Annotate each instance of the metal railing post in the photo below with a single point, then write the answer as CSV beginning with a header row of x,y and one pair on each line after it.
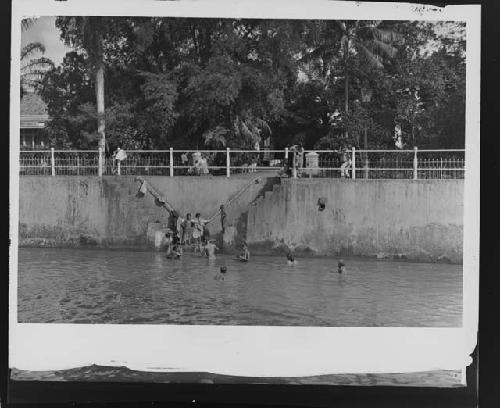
x,y
171,162
353,163
286,153
99,162
415,163
52,162
228,163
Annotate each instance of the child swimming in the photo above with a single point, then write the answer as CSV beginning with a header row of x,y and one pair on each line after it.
x,y
341,266
220,276
176,252
168,242
291,259
245,253
210,249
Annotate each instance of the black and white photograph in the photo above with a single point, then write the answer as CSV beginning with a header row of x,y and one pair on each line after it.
x,y
283,178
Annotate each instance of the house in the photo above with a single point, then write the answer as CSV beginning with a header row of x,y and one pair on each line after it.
x,y
34,116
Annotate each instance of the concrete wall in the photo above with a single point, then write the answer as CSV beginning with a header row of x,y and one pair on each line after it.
x,y
420,219
74,211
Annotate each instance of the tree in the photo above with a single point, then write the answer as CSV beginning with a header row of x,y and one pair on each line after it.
x,y
187,83
89,34
340,47
370,41
33,67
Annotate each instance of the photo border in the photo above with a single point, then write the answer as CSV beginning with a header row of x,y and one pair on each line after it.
x,y
22,336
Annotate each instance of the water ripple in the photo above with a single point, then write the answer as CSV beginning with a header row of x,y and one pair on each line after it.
x,y
97,286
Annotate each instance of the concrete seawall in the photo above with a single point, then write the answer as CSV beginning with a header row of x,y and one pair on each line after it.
x,y
419,220
81,211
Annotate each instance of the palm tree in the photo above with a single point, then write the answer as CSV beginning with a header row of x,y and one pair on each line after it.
x,y
373,45
369,40
27,23
33,69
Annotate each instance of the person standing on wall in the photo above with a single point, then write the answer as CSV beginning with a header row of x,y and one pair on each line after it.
x,y
346,163
119,156
223,217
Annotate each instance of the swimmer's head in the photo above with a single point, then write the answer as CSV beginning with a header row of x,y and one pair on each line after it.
x,y
223,269
341,263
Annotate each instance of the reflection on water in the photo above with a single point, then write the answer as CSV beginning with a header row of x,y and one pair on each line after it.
x,y
98,286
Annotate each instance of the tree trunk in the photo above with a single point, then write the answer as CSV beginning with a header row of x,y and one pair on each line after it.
x,y
99,90
346,80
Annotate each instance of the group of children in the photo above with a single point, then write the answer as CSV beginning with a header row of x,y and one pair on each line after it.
x,y
187,231
193,232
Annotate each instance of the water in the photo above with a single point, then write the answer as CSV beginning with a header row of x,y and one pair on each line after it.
x,y
100,286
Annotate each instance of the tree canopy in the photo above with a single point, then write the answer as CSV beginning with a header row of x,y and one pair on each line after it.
x,y
213,83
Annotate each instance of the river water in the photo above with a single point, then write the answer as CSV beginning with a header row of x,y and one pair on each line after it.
x,y
101,286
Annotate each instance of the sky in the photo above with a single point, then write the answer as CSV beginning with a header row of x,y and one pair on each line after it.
x,y
45,31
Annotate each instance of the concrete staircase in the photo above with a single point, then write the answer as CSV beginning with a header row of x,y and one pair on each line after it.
x,y
145,211
267,194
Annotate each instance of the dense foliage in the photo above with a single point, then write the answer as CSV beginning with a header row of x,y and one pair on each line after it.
x,y
211,83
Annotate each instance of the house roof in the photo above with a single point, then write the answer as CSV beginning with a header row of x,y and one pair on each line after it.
x,y
34,111
32,104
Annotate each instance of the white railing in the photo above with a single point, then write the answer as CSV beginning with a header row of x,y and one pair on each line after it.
x,y
369,164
